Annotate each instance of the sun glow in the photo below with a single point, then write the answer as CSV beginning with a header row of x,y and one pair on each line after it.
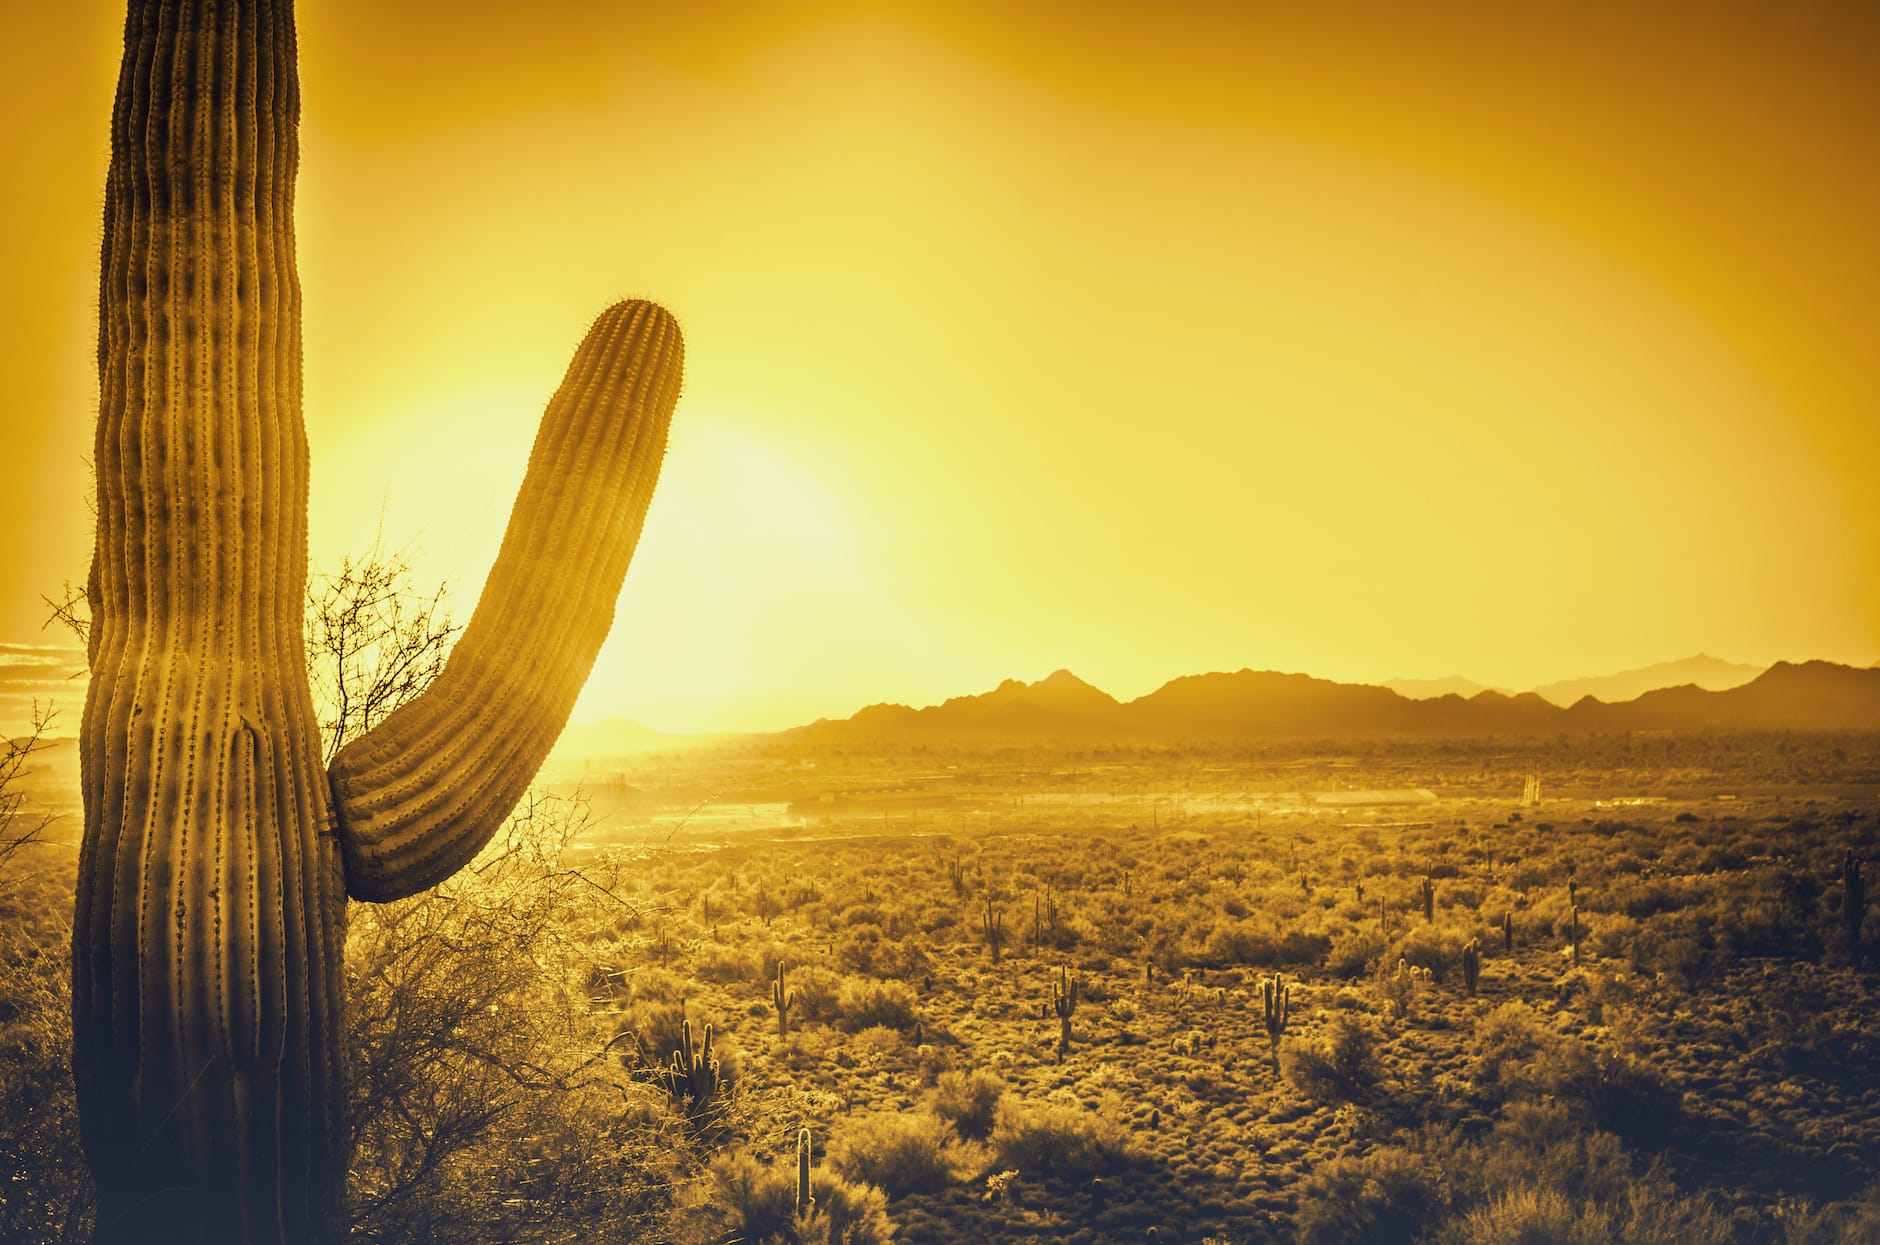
x,y
1523,342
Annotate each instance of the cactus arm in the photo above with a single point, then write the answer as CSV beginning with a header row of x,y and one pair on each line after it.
x,y
421,793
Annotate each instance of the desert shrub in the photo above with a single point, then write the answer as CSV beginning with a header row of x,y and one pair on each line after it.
x,y
1505,1042
1520,1058
1434,948
1529,1217
1231,942
864,1003
878,1043
1542,1143
1640,898
1387,1197
481,1104
1339,1064
1352,953
870,951
1059,1140
1678,946
648,1032
743,1201
727,965
859,949
45,1196
817,991
862,914
903,1153
1837,1222
970,1100
1543,1177
1614,937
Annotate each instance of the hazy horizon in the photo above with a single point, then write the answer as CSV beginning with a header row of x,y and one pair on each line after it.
x,y
52,675
1524,345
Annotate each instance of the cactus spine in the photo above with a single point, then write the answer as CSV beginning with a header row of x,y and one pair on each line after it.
x,y
1472,966
1064,996
783,1000
218,855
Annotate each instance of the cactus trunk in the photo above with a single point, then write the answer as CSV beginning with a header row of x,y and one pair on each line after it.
x,y
214,872
211,906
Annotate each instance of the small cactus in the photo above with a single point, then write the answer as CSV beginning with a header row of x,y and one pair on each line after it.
x,y
783,999
992,924
1044,919
805,1201
1429,899
1064,996
1472,966
693,1082
1507,933
1276,1006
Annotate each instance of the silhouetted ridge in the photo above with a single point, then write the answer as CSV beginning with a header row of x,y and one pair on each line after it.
x,y
1815,695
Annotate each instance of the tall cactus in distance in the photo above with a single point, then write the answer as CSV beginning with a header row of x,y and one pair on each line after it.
x,y
992,925
1064,998
783,999
218,855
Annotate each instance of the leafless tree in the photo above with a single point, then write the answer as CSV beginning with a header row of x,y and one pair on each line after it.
x,y
373,641
18,827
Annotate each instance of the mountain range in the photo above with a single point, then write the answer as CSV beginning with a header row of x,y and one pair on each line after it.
x,y
1710,673
1814,695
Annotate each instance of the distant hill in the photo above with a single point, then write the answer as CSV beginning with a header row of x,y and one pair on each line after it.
x,y
1710,673
1058,706
1430,689
1266,704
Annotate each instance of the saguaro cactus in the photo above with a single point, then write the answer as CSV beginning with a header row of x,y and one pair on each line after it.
x,y
1275,1007
992,925
805,1199
217,854
693,1080
1064,997
783,999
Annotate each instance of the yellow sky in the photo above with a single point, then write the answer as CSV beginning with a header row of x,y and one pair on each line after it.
x,y
1519,341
